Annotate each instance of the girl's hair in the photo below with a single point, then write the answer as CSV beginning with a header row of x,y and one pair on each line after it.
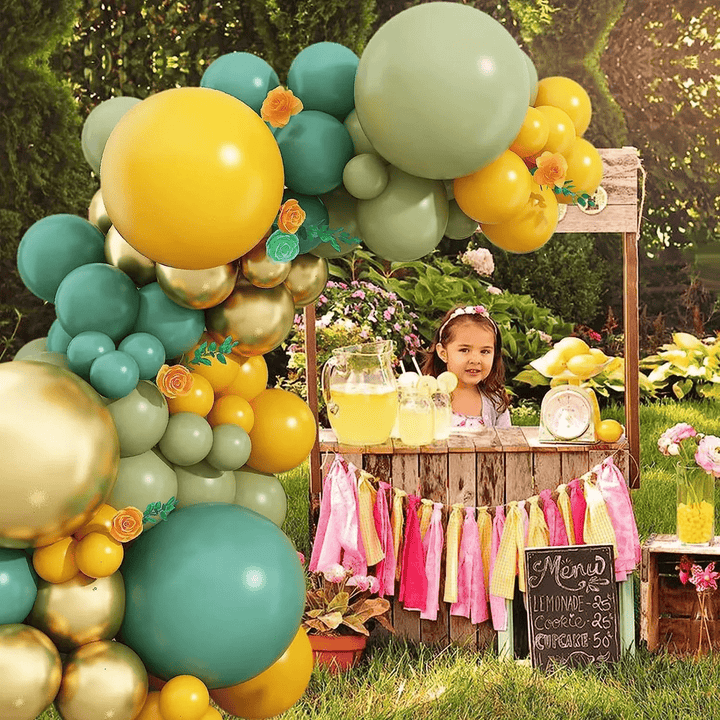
x,y
494,384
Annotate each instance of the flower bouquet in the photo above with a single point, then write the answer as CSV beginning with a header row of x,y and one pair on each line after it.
x,y
705,582
698,464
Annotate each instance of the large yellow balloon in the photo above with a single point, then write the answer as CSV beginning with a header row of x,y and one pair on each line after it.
x,y
59,453
531,228
496,192
569,96
192,178
276,689
533,134
283,433
585,169
561,129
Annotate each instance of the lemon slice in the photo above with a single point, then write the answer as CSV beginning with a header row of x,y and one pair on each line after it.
x,y
447,381
427,382
408,379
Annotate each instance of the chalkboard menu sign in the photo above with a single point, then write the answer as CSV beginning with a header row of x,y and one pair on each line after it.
x,y
572,605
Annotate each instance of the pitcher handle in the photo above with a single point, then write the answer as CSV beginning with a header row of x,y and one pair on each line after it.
x,y
325,378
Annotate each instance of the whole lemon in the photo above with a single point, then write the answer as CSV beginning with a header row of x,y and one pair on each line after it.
x,y
609,431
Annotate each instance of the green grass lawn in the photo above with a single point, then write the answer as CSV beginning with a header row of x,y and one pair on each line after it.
x,y
404,681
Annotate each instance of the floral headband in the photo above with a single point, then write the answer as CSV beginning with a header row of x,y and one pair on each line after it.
x,y
467,310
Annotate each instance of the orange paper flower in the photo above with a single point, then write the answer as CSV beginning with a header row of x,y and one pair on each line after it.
x,y
174,381
291,217
279,106
551,169
127,524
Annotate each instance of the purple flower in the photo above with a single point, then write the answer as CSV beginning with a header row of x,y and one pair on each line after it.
x,y
708,455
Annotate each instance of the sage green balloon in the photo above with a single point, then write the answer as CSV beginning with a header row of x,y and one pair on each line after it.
x,y
357,135
231,447
532,76
365,176
342,214
441,90
34,347
140,418
262,493
51,358
459,225
187,440
202,483
407,221
141,480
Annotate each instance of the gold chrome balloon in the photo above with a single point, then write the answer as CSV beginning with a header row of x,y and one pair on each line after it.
x,y
31,671
97,214
262,271
122,255
79,611
59,453
307,279
197,289
102,680
259,320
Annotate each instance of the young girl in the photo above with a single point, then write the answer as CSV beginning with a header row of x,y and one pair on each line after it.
x,y
468,343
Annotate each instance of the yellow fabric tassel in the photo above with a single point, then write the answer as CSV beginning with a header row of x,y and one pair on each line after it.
x,y
538,533
397,520
366,503
452,556
563,503
425,514
598,528
484,522
510,560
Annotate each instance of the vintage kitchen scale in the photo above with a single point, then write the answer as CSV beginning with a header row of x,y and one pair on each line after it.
x,y
569,414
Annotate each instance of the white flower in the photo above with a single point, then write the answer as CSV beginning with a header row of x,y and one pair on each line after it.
x,y
481,260
494,290
335,573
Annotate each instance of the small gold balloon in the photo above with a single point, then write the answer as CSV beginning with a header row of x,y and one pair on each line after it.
x,y
259,320
79,611
197,289
31,672
307,279
59,453
262,271
122,255
97,214
102,680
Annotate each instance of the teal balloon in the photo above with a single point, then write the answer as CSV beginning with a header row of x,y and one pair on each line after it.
x,y
140,418
18,586
357,135
202,483
315,211
58,340
114,374
97,297
365,176
407,221
441,90
85,348
315,148
262,493
342,214
459,225
142,480
177,328
187,440
34,347
99,124
52,248
215,591
243,75
230,449
532,77
323,77
147,351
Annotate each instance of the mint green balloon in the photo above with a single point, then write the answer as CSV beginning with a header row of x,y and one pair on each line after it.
x,y
262,493
140,418
187,440
342,213
441,90
365,176
202,483
407,221
459,225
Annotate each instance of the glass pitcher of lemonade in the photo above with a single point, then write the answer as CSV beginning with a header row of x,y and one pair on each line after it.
x,y
358,385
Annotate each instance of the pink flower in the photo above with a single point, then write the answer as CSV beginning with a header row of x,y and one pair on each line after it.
x,y
374,584
335,573
708,455
597,337
669,441
706,579
301,558
481,260
684,568
361,582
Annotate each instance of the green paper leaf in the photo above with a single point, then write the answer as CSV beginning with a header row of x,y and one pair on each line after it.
x,y
205,361
213,347
221,359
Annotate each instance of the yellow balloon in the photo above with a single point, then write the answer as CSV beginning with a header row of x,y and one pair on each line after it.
x,y
531,228
56,562
276,689
102,680
31,672
151,708
585,169
126,258
59,453
79,611
561,131
261,270
569,96
219,375
101,521
251,379
307,279
496,192
99,555
533,134
192,177
184,697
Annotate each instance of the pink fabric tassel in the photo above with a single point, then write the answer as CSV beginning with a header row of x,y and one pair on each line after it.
x,y
471,574
497,604
433,547
612,485
553,518
413,583
525,518
578,505
385,569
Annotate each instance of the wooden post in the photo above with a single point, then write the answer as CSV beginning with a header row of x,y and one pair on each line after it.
x,y
631,323
312,399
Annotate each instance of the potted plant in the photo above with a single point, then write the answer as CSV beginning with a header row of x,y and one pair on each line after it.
x,y
338,605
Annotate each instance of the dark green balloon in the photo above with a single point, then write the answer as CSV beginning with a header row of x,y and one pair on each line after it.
x,y
140,419
315,211
84,348
58,340
18,586
262,493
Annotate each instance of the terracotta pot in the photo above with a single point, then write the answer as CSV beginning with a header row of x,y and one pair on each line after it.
x,y
337,653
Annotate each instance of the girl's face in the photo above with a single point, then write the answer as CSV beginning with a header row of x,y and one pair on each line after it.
x,y
470,353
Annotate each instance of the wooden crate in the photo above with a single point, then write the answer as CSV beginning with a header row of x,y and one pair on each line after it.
x,y
490,467
666,605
